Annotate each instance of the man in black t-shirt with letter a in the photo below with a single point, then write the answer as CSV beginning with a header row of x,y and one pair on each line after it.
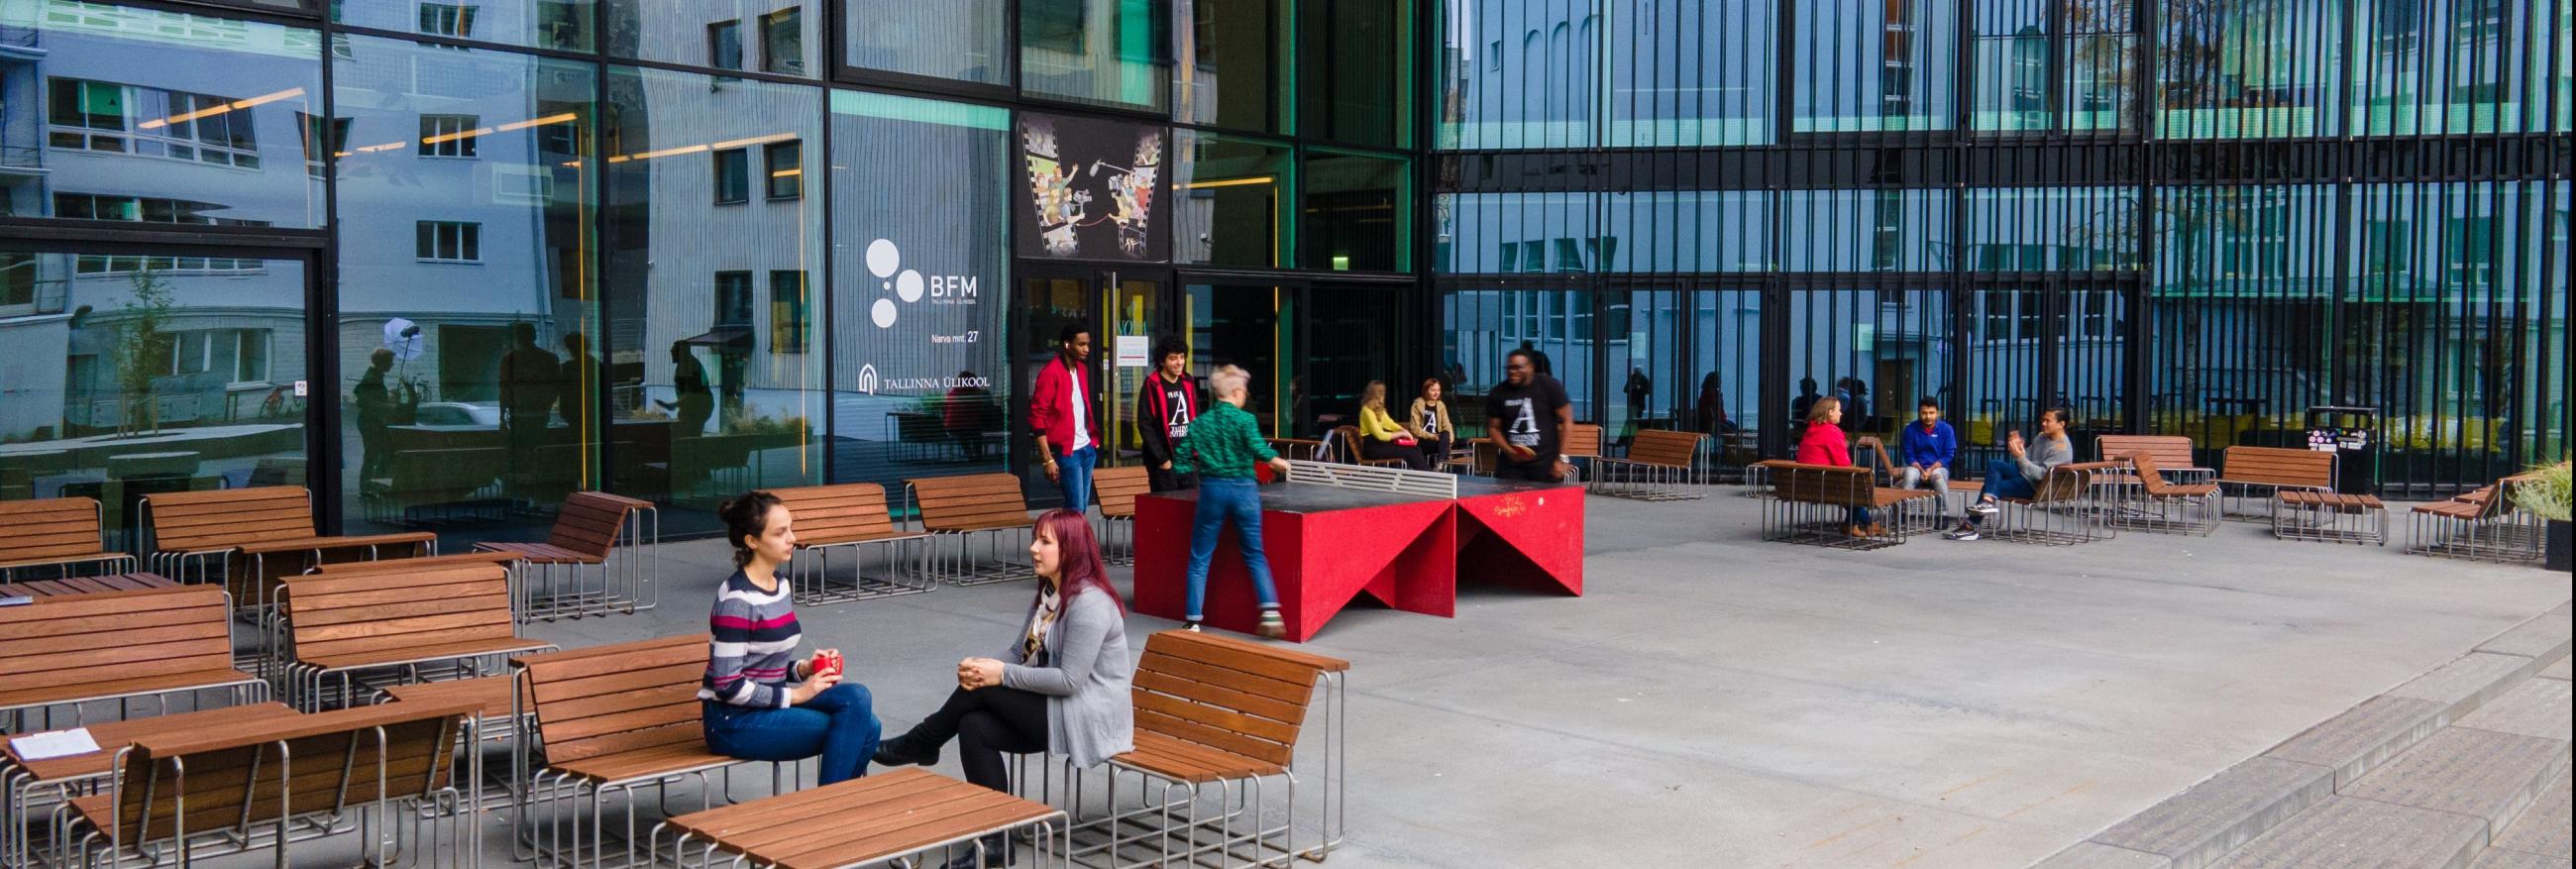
x,y
1528,419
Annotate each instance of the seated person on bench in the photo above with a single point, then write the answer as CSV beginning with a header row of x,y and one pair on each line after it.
x,y
1061,687
2020,477
1823,443
750,710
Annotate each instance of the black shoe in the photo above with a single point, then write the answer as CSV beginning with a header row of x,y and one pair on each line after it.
x,y
994,854
899,752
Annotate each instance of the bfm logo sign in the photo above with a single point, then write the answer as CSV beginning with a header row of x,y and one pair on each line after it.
x,y
886,262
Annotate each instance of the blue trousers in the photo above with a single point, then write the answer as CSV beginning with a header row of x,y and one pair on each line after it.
x,y
2003,483
839,724
1073,477
1220,499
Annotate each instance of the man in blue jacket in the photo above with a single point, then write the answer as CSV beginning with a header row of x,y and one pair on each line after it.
x,y
1928,448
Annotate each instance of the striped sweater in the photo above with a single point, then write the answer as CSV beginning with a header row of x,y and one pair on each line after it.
x,y
754,653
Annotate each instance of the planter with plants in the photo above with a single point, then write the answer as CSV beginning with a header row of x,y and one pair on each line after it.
x,y
2543,492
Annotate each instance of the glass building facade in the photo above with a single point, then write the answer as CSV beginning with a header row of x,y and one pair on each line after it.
x,y
2194,217
446,261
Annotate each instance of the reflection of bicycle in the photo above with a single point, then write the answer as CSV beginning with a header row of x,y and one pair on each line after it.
x,y
281,403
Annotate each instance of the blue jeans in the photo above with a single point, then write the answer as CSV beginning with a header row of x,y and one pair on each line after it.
x,y
2005,483
1073,477
1220,499
840,724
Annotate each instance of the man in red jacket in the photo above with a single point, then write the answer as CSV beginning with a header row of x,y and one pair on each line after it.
x,y
1067,424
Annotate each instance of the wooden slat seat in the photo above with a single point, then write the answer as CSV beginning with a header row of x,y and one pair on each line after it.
x,y
1117,488
112,735
414,565
588,530
111,644
2172,453
86,585
609,714
858,822
1204,708
2063,509
252,533
214,780
2258,472
338,624
55,532
2481,525
1811,503
2151,502
488,696
984,506
851,516
1657,460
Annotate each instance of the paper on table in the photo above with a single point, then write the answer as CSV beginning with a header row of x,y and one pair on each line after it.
x,y
54,743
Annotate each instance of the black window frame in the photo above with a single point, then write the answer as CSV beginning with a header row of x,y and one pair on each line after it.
x,y
738,180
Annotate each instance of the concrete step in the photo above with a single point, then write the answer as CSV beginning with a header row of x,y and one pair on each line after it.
x,y
2466,771
2209,823
2346,832
2540,838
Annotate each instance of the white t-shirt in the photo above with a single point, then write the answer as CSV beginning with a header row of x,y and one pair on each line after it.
x,y
1081,415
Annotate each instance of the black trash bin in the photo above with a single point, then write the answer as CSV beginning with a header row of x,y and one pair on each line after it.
x,y
2351,433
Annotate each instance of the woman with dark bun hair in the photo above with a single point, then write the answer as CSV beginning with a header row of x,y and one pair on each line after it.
x,y
750,709
1060,687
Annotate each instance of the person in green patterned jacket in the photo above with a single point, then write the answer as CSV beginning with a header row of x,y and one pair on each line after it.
x,y
1222,447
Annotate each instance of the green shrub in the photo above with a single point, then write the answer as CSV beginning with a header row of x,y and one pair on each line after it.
x,y
2544,492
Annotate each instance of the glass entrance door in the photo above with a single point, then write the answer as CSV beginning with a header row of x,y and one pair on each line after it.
x,y
1125,313
1249,325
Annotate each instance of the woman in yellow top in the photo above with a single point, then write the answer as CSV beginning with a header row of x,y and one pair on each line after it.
x,y
1429,422
1380,437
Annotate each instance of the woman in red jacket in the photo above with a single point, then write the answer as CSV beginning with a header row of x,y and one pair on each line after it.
x,y
1824,444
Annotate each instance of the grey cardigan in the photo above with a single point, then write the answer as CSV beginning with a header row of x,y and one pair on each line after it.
x,y
2042,455
1090,716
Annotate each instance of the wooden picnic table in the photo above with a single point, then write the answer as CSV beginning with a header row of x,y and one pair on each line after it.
x,y
44,588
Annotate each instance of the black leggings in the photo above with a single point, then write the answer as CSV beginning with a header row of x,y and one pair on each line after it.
x,y
1378,449
987,723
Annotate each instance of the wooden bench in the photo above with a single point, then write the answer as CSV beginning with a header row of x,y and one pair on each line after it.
x,y
1812,504
2258,472
255,536
457,618
118,645
1346,449
496,716
2334,517
2063,510
2148,501
868,821
34,785
43,588
1659,461
2482,525
1583,445
2172,453
1117,490
274,783
1221,713
852,516
57,533
588,532
612,718
970,508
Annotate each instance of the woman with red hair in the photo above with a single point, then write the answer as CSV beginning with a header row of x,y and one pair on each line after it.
x,y
1061,686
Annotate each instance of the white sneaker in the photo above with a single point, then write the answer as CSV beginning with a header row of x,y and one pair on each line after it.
x,y
1192,627
1962,534
1986,507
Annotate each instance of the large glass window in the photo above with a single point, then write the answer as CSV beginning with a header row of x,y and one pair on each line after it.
x,y
2429,67
468,343
1230,201
1726,372
919,376
1684,74
1875,349
965,40
2052,229
1501,233
560,24
1103,52
713,395
1352,54
1233,63
2252,69
1685,231
1865,230
1479,326
154,105
1875,66
1358,212
767,35
140,380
